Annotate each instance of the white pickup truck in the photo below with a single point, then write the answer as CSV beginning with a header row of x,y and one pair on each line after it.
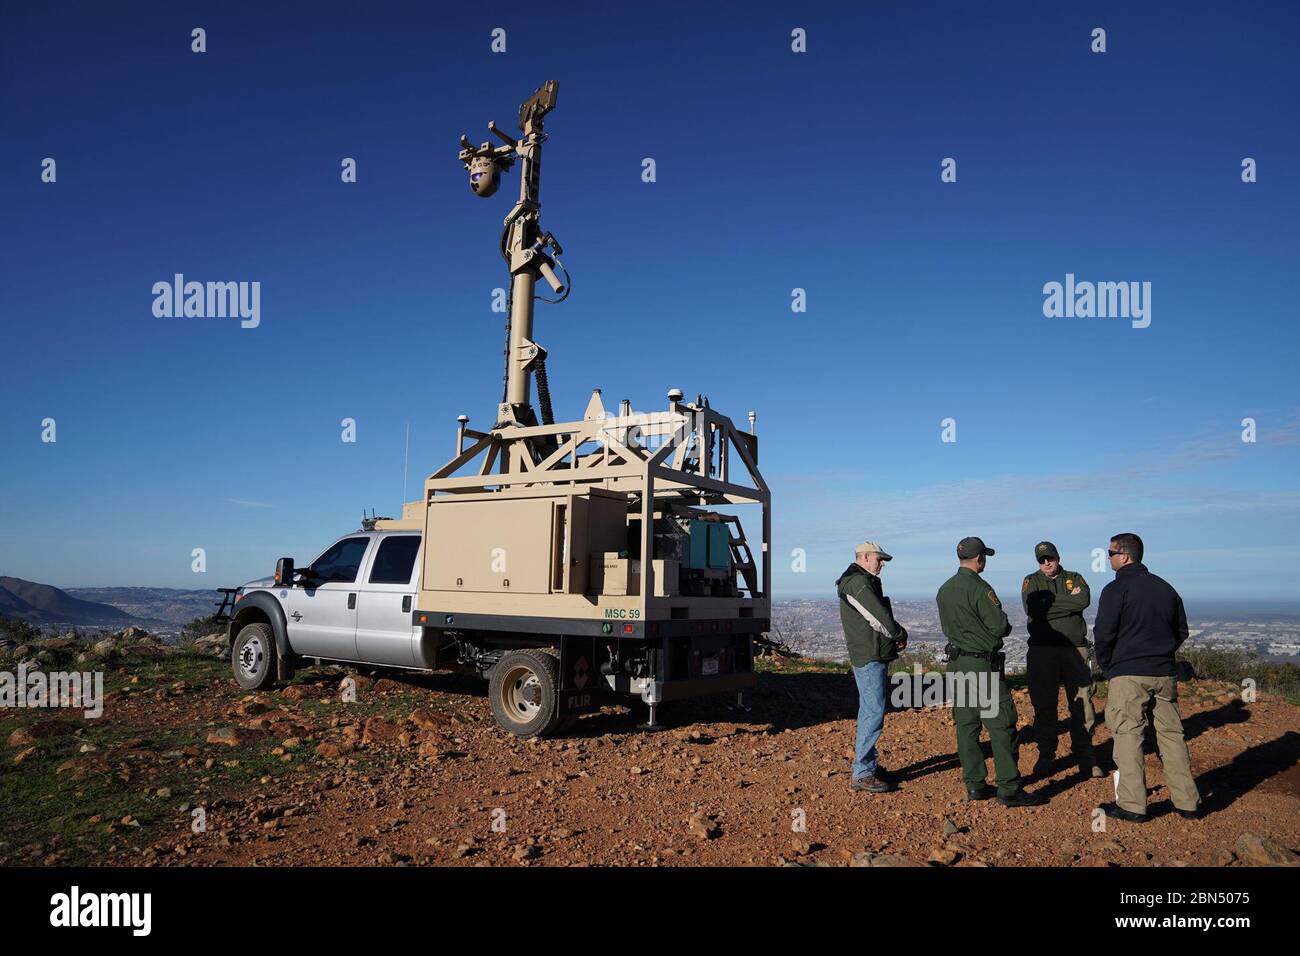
x,y
354,605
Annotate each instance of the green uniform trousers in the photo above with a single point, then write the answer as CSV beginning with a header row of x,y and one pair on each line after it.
x,y
993,707
1049,667
1126,715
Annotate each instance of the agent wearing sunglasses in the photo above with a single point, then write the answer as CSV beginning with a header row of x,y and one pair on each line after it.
x,y
1140,624
1054,601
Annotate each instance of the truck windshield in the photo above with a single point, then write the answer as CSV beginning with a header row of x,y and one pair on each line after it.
x,y
341,562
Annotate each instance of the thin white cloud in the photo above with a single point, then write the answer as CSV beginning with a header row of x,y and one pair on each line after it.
x,y
1132,491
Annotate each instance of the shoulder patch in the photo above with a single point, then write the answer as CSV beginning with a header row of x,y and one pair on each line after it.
x,y
1069,584
994,598
1025,586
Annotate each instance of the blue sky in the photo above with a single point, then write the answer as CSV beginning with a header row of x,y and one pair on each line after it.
x,y
775,170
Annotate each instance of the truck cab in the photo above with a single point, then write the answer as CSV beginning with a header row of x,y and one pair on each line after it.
x,y
352,604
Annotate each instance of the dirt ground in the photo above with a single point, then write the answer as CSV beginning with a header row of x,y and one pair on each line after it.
x,y
416,772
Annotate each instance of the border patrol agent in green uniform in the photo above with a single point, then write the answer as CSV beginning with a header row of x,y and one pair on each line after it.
x,y
975,624
1054,601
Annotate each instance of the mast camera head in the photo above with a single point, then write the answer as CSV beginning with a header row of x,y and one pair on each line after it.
x,y
484,176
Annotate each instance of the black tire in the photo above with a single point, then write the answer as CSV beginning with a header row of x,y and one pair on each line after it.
x,y
252,658
524,692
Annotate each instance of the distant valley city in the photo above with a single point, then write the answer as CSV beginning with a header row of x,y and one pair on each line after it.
x,y
809,626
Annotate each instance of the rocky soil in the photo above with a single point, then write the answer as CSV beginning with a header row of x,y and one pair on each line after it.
x,y
184,768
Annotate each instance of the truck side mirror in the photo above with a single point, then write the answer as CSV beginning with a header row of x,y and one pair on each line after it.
x,y
284,573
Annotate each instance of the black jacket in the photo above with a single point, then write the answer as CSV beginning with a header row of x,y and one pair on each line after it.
x,y
1140,623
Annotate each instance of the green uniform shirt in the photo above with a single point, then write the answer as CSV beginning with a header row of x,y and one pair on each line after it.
x,y
1055,613
971,614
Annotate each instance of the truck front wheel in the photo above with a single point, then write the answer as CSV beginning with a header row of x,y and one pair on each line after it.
x,y
252,657
524,691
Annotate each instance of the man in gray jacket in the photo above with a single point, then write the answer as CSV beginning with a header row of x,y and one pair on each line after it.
x,y
874,639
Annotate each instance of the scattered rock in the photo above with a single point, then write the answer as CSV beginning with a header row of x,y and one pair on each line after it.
x,y
380,731
233,736
702,826
1256,850
944,856
26,736
360,681
331,748
427,719
891,859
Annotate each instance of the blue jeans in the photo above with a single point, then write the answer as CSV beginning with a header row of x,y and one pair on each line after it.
x,y
872,678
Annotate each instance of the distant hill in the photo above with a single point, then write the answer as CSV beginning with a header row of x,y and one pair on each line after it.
x,y
175,606
161,611
42,604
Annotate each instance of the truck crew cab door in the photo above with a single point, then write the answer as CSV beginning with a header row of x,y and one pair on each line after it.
x,y
321,612
385,634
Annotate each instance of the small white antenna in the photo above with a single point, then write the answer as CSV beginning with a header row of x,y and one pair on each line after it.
x,y
406,466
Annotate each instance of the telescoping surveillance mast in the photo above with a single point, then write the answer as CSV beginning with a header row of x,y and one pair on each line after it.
x,y
574,561
529,252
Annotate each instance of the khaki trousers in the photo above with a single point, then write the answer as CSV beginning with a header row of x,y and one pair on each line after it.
x,y
1048,667
1126,715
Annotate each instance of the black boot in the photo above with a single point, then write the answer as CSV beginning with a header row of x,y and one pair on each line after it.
x,y
1022,798
1119,813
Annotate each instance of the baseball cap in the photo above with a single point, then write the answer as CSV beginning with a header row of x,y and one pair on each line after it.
x,y
972,548
1045,549
870,547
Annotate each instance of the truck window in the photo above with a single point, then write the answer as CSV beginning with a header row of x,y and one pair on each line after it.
x,y
342,561
395,559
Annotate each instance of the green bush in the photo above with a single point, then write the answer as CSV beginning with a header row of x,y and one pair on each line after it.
x,y
200,627
16,629
1234,666
904,661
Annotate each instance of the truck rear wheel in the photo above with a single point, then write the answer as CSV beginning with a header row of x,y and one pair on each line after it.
x,y
524,691
252,657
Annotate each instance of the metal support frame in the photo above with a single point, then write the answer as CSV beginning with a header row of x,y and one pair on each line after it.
x,y
684,457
